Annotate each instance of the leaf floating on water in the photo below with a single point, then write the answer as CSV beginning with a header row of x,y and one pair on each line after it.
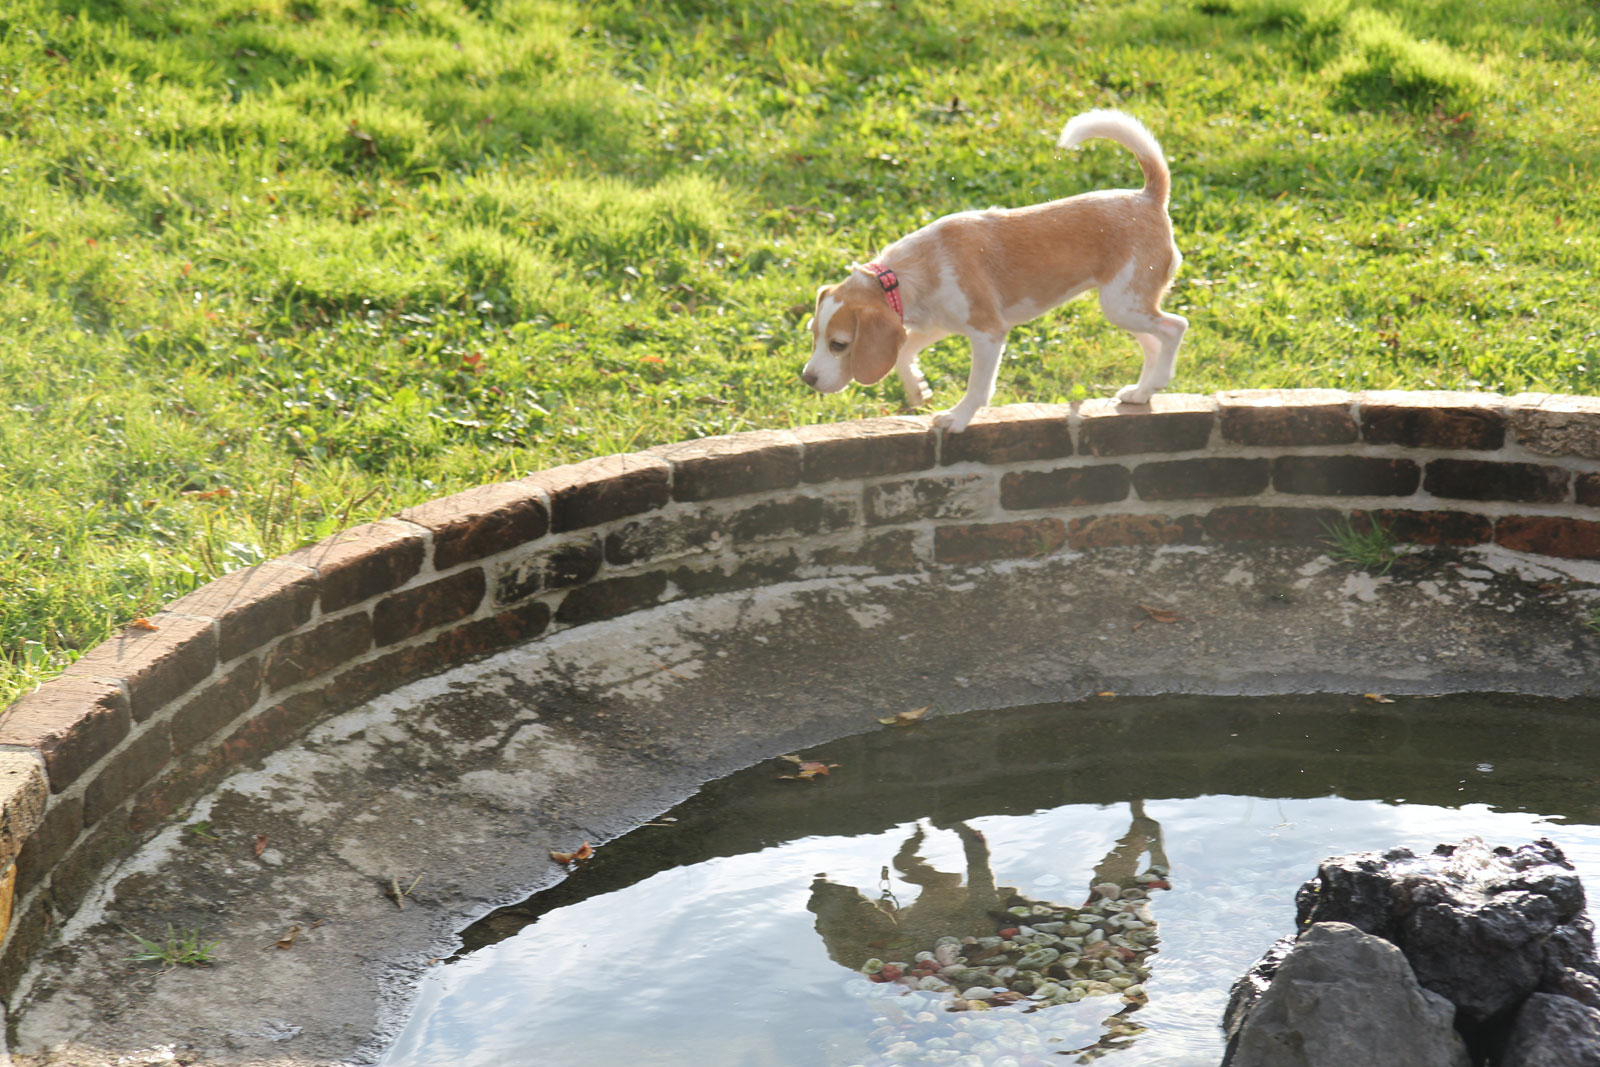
x,y
906,718
1378,698
1105,693
567,859
809,770
287,940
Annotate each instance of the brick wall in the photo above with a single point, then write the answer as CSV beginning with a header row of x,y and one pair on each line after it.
x,y
141,726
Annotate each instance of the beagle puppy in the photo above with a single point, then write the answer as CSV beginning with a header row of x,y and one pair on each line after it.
x,y
979,273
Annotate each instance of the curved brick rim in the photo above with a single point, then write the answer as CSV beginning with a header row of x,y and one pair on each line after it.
x,y
146,723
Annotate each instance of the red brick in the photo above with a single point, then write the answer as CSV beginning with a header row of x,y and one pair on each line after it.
x,y
611,597
735,465
1069,487
1196,479
383,674
1549,536
949,497
301,657
273,728
414,611
24,793
1173,422
189,779
1023,539
136,764
1345,476
1556,425
750,571
30,929
56,833
80,869
663,536
253,606
1121,531
72,722
362,562
1282,418
1452,528
199,772
1015,433
1476,479
795,516
156,666
894,551
216,706
867,448
481,522
603,490
1434,419
559,566
1269,524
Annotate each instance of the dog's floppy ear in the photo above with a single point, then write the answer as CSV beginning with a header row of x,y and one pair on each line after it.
x,y
879,335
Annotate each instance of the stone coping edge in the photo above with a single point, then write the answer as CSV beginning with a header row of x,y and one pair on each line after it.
x,y
137,729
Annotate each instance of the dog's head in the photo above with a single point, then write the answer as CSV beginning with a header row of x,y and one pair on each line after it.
x,y
855,336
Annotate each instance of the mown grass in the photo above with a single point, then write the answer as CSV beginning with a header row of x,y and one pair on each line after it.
x,y
269,267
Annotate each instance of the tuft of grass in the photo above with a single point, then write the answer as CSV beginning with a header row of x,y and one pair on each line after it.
x,y
1373,549
178,950
1385,66
1591,620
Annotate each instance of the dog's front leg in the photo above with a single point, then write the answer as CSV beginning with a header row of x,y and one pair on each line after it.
x,y
905,365
986,354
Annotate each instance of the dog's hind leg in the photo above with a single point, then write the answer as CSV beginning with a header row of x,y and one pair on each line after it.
x,y
1158,332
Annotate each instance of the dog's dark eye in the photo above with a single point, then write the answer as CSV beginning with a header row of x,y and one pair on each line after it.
x,y
837,345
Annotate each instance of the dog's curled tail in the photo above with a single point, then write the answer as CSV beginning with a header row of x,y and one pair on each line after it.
x,y
1128,132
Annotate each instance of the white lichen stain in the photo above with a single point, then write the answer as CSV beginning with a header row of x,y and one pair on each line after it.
x,y
1361,586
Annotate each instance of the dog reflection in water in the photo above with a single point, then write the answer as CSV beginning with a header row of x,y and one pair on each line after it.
x,y
972,946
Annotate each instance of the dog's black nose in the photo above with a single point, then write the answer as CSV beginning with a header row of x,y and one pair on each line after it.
x,y
809,376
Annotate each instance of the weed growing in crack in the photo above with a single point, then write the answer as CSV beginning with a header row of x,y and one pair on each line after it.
x,y
1373,549
179,950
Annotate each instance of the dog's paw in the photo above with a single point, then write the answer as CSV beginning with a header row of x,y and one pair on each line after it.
x,y
1132,394
953,421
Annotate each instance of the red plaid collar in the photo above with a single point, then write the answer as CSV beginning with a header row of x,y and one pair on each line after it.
x,y
890,283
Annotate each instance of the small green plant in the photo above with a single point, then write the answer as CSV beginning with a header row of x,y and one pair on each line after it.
x,y
1372,549
186,950
201,830
1591,620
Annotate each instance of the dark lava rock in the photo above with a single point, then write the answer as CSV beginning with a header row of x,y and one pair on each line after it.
x,y
1485,928
1553,1031
1473,921
1340,998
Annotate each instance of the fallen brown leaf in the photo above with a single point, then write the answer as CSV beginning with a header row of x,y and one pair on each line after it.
x,y
1378,698
578,855
260,846
1161,614
906,718
287,940
809,769
142,623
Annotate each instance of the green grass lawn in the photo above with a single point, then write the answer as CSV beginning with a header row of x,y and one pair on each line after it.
x,y
275,266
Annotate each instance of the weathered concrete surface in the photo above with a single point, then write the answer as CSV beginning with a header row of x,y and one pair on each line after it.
x,y
461,784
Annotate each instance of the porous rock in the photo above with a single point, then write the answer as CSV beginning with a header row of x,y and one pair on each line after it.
x,y
1553,1031
1339,997
1474,922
